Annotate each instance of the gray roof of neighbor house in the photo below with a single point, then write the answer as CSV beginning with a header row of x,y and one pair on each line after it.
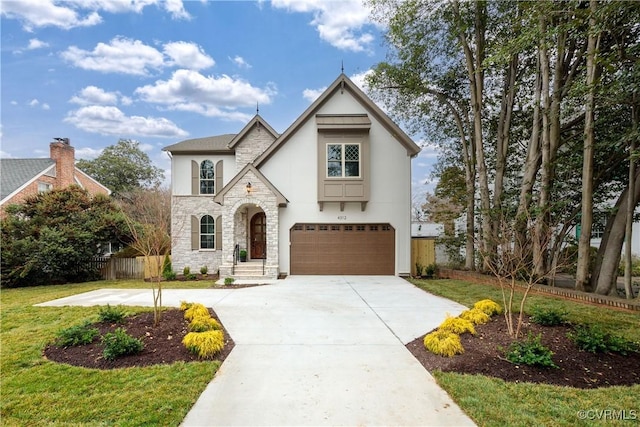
x,y
208,144
14,173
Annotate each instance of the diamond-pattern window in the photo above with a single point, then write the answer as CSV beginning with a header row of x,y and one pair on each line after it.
x,y
343,160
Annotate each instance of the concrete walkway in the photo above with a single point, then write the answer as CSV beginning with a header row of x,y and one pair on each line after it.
x,y
315,351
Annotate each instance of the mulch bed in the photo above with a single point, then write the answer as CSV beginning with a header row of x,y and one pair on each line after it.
x,y
162,343
576,368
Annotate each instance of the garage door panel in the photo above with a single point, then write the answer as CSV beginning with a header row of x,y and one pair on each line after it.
x,y
364,249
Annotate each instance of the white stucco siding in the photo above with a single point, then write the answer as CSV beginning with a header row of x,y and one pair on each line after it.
x,y
293,170
181,171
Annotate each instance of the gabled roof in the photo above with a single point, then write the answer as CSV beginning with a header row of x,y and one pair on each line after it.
x,y
257,120
17,173
218,143
219,198
342,83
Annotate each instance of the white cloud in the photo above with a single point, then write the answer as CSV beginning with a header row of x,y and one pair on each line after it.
x,y
109,120
33,103
37,44
121,55
95,95
46,107
240,62
188,55
360,80
212,96
127,56
80,13
340,23
313,94
87,153
14,102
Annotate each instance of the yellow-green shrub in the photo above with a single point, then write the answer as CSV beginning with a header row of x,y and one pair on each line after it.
x,y
196,310
457,325
204,344
202,324
443,343
488,306
475,316
185,305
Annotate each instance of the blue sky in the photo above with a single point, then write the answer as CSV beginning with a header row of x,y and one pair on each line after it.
x,y
160,72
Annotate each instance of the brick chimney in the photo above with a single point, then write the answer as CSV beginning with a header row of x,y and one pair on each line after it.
x,y
65,157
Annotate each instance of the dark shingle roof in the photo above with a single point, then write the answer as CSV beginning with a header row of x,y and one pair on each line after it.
x,y
14,173
209,143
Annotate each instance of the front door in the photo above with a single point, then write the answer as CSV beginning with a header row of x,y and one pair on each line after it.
x,y
258,235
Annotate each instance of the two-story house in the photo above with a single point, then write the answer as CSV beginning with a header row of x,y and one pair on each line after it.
x,y
21,178
330,195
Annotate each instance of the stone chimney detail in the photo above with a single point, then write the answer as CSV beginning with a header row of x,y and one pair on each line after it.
x,y
64,155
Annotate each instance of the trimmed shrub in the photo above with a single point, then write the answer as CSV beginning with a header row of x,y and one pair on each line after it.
x,y
112,314
204,344
531,352
229,280
202,324
204,270
196,310
443,343
488,306
457,325
548,316
119,343
475,316
185,305
76,335
595,340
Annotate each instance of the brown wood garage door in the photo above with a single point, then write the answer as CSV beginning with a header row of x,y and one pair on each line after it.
x,y
367,249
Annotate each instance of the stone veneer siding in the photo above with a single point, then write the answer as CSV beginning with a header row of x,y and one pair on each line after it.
x,y
252,145
182,208
237,199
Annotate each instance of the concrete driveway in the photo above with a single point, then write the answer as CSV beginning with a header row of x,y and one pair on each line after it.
x,y
316,350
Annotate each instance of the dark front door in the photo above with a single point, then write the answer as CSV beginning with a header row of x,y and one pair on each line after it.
x,y
258,235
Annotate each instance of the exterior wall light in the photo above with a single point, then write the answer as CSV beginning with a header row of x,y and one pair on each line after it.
x,y
248,188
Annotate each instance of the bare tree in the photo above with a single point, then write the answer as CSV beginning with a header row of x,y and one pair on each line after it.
x,y
518,269
148,216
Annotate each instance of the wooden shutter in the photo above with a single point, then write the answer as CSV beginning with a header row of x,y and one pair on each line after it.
x,y
195,233
219,174
195,178
218,233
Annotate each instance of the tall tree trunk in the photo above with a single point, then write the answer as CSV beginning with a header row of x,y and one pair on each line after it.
x,y
586,220
475,74
630,206
531,167
546,171
605,272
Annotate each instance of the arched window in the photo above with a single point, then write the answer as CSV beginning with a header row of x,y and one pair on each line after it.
x,y
207,232
207,177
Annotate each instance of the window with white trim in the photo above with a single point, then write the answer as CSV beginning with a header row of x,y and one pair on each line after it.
x,y
207,177
343,160
43,187
207,232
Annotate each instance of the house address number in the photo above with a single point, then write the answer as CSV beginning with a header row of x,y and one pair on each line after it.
x,y
342,218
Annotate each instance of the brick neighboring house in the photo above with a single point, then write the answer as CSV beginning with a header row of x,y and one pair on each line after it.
x,y
21,178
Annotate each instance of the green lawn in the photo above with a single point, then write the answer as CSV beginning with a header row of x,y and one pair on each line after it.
x,y
35,392
493,402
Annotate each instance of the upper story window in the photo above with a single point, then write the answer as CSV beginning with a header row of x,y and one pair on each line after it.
x,y
207,232
343,160
207,177
43,187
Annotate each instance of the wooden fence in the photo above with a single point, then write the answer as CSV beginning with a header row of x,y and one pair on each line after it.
x,y
127,268
423,251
